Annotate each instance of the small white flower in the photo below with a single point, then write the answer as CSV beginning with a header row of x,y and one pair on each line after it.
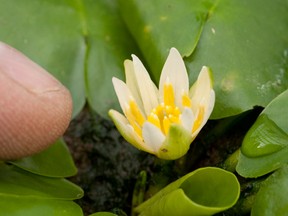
x,y
162,121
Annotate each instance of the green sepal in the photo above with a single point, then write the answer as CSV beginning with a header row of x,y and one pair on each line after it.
x,y
204,191
176,144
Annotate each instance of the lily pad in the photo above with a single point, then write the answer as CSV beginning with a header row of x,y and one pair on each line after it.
x,y
103,214
265,146
56,161
50,33
233,38
82,43
158,26
15,182
15,206
272,196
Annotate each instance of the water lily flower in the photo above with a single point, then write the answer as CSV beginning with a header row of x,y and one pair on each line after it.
x,y
162,121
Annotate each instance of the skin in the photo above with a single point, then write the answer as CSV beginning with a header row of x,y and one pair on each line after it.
x,y
35,108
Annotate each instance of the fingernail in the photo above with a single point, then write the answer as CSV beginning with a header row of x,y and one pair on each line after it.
x,y
25,72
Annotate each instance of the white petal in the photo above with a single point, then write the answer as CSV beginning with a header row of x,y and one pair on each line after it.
x,y
123,93
201,89
187,119
208,105
131,82
127,131
153,137
174,69
147,89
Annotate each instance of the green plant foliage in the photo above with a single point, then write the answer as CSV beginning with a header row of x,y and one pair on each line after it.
x,y
24,193
264,138
109,44
56,161
233,38
103,214
15,182
16,206
205,191
265,146
50,33
272,196
82,43
164,25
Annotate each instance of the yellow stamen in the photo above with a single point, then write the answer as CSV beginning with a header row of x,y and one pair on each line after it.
x,y
166,125
173,119
168,94
139,118
186,101
133,123
162,117
135,117
199,119
153,118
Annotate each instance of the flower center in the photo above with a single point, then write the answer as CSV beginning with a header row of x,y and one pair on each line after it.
x,y
164,114
167,112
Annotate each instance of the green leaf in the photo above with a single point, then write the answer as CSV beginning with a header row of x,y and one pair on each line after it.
x,y
50,33
56,161
15,206
103,214
15,182
159,25
232,37
109,44
272,196
265,146
82,43
204,191
264,138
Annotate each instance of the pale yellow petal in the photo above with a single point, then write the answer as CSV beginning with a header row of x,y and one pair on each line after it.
x,y
187,119
131,82
127,131
208,106
153,137
201,89
147,90
123,93
175,71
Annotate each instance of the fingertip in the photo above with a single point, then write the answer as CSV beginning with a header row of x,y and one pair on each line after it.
x,y
34,113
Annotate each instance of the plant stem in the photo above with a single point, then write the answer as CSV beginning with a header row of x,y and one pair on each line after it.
x,y
231,162
139,191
